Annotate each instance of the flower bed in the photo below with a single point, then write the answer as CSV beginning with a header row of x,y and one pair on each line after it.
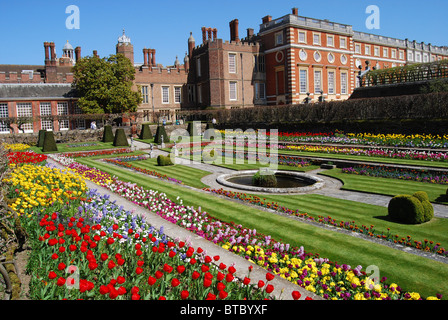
x,y
15,146
97,153
402,174
118,256
21,157
387,153
332,281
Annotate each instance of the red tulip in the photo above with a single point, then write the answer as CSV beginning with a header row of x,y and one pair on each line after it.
x,y
52,275
260,284
229,277
121,279
175,282
159,274
269,276
223,294
232,269
151,280
104,289
269,288
195,275
60,282
180,269
184,294
104,256
210,296
246,281
296,295
207,282
111,264
220,286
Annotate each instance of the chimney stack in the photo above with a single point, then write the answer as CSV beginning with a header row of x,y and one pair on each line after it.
x,y
234,33
77,54
295,11
145,57
209,34
266,19
250,32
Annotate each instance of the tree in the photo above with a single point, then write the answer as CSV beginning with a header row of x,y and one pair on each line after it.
x,y
104,85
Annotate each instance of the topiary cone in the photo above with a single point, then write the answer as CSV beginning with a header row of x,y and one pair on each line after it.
x,y
120,139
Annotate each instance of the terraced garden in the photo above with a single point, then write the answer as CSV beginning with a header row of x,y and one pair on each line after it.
x,y
342,237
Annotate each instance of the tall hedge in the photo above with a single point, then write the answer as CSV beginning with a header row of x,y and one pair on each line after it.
x,y
120,139
145,133
161,132
49,143
40,139
108,135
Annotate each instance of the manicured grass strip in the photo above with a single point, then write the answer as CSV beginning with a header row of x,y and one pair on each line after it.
x,y
387,186
64,147
363,214
412,272
189,176
410,162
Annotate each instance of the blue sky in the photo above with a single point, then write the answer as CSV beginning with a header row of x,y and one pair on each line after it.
x,y
166,25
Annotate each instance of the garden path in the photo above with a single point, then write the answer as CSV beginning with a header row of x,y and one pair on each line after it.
x,y
283,288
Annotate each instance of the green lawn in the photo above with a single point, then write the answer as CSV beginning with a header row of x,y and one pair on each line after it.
x,y
75,147
411,272
362,214
189,176
386,186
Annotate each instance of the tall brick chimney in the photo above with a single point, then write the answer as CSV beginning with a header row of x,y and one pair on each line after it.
x,y
234,33
77,54
191,44
295,11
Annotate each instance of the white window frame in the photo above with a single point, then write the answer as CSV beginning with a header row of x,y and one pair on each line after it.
x,y
4,113
301,32
344,83
357,48
385,52
145,95
318,42
331,82
376,51
45,110
232,63
177,94
303,80
165,94
279,38
367,50
393,53
343,42
330,44
317,81
233,90
27,127
62,111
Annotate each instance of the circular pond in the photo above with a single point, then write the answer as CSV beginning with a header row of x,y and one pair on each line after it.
x,y
287,182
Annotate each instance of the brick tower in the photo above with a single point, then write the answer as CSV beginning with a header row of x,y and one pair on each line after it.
x,y
125,47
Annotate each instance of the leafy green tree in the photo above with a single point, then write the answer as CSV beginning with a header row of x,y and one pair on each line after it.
x,y
104,85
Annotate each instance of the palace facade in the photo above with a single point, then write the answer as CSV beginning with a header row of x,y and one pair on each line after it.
x,y
292,59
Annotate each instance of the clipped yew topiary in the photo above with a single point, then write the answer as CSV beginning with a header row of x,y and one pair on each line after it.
x,y
427,206
145,133
408,209
108,135
40,138
159,134
164,161
120,139
49,143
